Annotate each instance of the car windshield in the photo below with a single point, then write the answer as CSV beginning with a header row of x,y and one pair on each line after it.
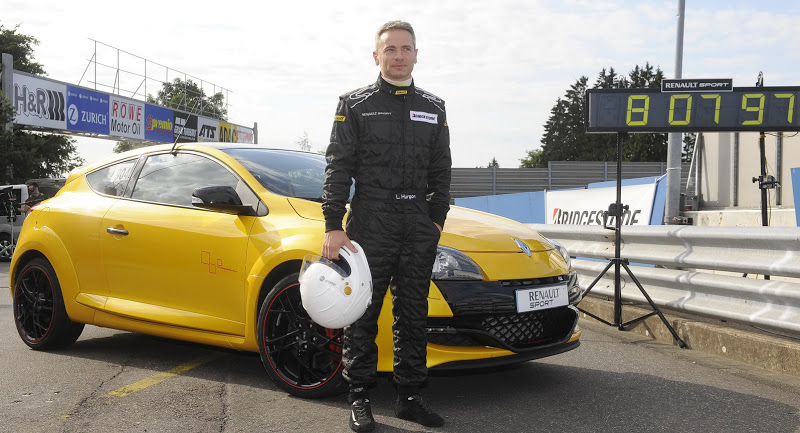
x,y
288,173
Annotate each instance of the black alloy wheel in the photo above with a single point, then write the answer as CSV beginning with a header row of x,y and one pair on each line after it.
x,y
39,312
300,356
6,250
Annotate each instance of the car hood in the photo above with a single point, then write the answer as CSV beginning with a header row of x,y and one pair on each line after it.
x,y
465,230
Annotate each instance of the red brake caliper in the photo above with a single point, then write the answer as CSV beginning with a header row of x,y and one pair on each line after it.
x,y
333,347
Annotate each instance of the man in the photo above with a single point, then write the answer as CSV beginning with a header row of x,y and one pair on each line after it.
x,y
34,197
392,138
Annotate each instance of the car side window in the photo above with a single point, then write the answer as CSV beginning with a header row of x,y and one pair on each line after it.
x,y
170,179
111,180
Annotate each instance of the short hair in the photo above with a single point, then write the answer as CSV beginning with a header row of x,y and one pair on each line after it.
x,y
35,184
395,25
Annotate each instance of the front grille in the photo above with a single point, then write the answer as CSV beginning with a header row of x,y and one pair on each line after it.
x,y
512,331
523,330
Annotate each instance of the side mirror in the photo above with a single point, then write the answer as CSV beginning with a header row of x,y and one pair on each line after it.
x,y
221,198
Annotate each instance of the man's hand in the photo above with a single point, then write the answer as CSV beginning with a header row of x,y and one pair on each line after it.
x,y
438,227
334,240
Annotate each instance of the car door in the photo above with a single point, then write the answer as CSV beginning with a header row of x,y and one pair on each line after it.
x,y
169,262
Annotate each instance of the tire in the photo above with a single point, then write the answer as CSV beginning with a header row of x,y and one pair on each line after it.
x,y
5,241
301,357
39,312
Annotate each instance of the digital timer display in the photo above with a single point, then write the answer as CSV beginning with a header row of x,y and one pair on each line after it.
x,y
650,110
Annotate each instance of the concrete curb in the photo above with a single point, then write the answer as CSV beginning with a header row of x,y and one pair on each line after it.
x,y
723,339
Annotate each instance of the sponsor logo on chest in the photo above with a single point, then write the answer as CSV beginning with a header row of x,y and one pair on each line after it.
x,y
421,116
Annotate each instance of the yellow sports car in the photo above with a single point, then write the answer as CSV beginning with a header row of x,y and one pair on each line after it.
x,y
204,243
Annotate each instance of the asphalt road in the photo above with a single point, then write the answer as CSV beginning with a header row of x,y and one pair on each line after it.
x,y
118,381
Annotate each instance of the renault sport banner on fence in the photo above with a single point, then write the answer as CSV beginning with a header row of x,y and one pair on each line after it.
x,y
43,103
586,206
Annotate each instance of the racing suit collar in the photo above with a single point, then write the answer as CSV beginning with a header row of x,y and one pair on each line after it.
x,y
391,89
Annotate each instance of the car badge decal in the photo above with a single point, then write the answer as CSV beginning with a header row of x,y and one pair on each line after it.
x,y
522,246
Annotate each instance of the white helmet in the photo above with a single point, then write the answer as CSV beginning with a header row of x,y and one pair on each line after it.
x,y
336,294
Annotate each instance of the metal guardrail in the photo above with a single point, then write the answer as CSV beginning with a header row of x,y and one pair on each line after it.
x,y
679,265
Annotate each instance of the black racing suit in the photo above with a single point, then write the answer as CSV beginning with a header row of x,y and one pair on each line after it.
x,y
394,141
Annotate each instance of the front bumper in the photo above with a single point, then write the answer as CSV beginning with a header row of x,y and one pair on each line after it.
x,y
484,314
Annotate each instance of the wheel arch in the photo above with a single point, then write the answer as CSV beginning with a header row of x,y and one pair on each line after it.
x,y
49,246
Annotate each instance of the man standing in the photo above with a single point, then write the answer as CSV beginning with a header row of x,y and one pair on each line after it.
x,y
392,138
34,197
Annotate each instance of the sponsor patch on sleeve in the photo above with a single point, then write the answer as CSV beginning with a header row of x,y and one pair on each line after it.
x,y
421,116
339,118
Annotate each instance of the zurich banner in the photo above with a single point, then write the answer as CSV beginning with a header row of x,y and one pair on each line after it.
x,y
87,110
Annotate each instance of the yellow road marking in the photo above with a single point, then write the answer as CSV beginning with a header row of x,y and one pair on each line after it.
x,y
160,377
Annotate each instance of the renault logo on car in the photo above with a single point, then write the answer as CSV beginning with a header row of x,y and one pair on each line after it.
x,y
522,246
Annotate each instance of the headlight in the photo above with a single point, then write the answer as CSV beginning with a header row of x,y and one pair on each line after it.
x,y
452,264
564,253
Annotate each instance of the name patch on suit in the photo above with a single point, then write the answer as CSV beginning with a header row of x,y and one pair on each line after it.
x,y
421,116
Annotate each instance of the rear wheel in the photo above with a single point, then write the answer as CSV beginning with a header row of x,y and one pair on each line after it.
x,y
301,357
39,312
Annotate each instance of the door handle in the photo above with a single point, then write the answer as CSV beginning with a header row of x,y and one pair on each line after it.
x,y
114,231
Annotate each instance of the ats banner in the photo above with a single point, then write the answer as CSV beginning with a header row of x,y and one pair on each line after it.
x,y
586,206
185,127
158,124
126,117
208,129
39,102
87,110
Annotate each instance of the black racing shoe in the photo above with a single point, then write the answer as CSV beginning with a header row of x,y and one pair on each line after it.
x,y
361,416
414,409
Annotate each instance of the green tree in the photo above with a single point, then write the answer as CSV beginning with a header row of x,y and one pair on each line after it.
x,y
124,146
533,160
21,47
565,137
493,163
188,96
304,143
29,155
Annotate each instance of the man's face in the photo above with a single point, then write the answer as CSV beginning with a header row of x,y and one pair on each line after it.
x,y
33,190
396,54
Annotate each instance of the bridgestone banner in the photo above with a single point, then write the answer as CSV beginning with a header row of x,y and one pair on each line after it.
x,y
586,206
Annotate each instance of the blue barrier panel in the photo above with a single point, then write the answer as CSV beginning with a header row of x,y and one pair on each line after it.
x,y
525,207
796,193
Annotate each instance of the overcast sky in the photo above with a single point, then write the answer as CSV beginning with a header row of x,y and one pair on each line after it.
x,y
499,65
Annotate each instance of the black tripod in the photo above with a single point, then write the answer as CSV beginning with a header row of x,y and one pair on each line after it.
x,y
617,210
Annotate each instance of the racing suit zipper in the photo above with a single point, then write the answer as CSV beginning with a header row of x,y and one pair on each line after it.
x,y
405,162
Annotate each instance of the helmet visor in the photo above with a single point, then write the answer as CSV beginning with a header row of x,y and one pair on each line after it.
x,y
340,266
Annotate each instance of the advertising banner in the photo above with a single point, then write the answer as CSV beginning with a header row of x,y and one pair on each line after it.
x,y
228,133
207,129
586,206
185,127
87,110
126,117
39,102
244,135
158,124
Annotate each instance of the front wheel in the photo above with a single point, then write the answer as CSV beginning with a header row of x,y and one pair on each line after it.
x,y
39,312
301,357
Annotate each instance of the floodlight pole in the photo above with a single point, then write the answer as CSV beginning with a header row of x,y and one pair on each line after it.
x,y
673,211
